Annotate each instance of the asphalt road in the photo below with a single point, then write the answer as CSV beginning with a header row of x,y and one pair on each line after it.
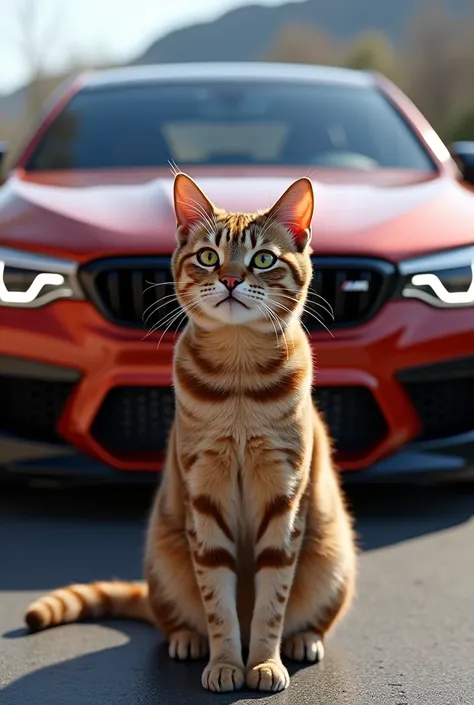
x,y
409,639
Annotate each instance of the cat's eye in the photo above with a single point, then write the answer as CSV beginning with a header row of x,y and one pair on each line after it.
x,y
263,259
207,257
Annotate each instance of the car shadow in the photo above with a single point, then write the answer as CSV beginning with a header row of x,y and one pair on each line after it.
x,y
78,535
391,514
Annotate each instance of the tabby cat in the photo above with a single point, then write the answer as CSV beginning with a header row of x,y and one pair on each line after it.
x,y
249,540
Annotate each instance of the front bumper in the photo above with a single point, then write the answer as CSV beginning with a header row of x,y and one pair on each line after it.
x,y
446,460
95,398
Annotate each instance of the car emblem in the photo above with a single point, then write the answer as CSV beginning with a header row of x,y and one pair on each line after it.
x,y
355,285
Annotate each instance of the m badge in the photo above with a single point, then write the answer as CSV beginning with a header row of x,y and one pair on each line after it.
x,y
355,285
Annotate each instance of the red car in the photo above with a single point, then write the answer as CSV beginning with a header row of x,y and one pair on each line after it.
x,y
87,226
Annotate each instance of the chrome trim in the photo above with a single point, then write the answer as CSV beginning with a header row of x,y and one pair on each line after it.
x,y
421,295
430,264
32,261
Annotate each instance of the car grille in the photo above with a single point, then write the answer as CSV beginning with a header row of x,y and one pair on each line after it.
x,y
137,292
353,417
445,407
355,289
135,420
31,408
138,419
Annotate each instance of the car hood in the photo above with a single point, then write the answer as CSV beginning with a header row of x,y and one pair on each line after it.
x,y
386,214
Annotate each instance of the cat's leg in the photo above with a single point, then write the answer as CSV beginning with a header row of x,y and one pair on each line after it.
x,y
323,585
278,529
174,594
213,507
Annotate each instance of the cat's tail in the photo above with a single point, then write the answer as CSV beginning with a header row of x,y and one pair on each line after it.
x,y
82,601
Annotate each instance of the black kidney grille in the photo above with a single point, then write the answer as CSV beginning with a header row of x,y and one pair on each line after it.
x,y
138,419
138,291
352,294
138,297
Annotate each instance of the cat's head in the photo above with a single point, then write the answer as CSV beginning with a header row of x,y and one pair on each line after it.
x,y
239,268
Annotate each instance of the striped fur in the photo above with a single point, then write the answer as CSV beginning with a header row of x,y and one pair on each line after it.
x,y
249,540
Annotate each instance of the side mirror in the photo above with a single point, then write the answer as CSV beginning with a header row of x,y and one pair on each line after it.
x,y
463,155
3,152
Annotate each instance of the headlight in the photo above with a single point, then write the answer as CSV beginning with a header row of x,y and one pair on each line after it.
x,y
445,279
29,280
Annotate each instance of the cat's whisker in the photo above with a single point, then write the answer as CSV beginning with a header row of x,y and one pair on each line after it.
x,y
295,300
164,301
278,321
187,310
273,319
310,313
318,296
277,303
312,292
174,168
177,316
163,321
173,316
152,285
266,313
314,303
155,310
180,323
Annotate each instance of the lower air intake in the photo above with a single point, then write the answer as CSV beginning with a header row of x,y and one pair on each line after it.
x,y
138,419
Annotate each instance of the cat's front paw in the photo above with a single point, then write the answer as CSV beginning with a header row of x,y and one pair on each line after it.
x,y
187,644
223,677
270,676
304,646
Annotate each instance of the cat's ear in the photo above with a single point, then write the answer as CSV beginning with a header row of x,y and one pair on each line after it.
x,y
190,205
294,210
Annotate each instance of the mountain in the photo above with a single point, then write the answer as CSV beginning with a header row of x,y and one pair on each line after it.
x,y
246,33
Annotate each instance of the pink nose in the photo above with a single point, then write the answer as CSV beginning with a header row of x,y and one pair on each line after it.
x,y
230,281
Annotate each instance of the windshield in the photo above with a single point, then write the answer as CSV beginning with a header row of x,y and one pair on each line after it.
x,y
233,123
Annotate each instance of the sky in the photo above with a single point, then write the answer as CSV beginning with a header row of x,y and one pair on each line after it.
x,y
64,31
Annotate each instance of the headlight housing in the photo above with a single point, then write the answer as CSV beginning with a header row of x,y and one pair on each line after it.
x,y
30,280
444,279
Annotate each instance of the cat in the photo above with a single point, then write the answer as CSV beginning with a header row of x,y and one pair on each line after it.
x,y
249,541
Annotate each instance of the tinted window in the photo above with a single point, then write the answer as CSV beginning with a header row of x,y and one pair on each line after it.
x,y
236,123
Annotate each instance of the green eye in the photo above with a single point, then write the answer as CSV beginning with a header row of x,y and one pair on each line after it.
x,y
263,260
207,257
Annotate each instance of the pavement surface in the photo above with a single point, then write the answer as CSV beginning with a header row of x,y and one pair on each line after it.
x,y
409,639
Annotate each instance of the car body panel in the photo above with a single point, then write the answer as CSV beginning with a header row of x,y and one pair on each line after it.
x,y
87,215
390,215
403,335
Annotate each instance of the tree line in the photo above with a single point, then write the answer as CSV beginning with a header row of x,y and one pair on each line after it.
x,y
434,64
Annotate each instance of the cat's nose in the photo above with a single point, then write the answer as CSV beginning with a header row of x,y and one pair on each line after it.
x,y
230,281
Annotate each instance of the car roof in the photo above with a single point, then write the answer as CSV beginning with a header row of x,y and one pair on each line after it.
x,y
244,71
